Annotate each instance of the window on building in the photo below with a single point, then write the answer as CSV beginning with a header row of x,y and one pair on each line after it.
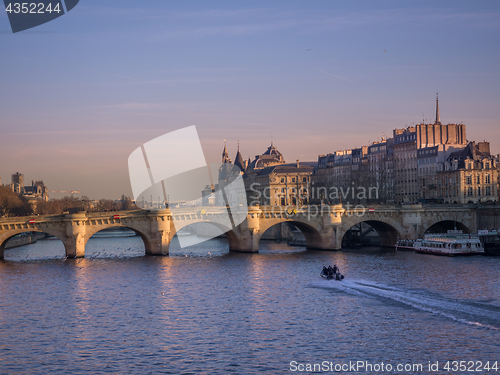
x,y
468,180
479,191
469,192
487,179
488,191
293,179
478,179
304,179
282,180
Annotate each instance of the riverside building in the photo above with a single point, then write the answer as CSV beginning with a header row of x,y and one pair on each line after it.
x,y
270,181
408,168
468,176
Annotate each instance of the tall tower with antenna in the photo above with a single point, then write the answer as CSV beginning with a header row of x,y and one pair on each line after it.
x,y
438,119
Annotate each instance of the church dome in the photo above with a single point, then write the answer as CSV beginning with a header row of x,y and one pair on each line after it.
x,y
273,151
271,157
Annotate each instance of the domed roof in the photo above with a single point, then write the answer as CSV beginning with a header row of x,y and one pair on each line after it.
x,y
271,157
273,151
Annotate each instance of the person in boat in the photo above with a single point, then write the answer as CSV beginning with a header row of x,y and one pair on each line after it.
x,y
325,271
335,269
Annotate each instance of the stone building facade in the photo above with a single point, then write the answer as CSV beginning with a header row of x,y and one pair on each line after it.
x,y
469,176
35,192
269,180
405,165
403,169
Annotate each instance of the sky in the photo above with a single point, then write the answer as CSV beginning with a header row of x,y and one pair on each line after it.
x,y
80,93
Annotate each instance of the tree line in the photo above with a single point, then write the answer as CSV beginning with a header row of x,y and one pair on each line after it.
x,y
13,204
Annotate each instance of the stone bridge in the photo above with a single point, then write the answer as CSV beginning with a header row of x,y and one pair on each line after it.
x,y
323,226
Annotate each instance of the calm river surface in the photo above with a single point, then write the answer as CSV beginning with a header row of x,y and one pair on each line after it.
x,y
203,310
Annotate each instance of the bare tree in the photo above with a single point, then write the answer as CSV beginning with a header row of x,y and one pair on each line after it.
x,y
12,204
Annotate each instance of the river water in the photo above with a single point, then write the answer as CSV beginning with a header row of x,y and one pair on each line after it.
x,y
203,310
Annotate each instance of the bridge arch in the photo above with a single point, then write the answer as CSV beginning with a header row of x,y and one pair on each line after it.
x,y
5,237
233,238
389,230
93,230
442,226
310,229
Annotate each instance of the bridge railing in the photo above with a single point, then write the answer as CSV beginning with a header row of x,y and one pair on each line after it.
x,y
18,219
207,210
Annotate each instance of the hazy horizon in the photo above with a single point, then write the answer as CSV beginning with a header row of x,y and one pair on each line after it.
x,y
80,93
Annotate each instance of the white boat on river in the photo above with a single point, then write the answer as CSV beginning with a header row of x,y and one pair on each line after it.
x,y
449,244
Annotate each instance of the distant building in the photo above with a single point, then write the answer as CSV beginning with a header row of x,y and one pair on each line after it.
x,y
431,161
269,158
208,196
380,173
17,183
483,148
280,185
228,172
407,179
358,176
469,176
269,180
333,171
405,165
37,191
403,169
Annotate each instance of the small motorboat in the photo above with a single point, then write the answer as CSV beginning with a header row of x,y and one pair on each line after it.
x,y
325,274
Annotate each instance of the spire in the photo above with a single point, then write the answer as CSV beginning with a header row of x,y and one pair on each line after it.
x,y
238,160
225,155
438,120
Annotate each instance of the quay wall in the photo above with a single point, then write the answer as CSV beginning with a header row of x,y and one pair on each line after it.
x,y
31,238
488,218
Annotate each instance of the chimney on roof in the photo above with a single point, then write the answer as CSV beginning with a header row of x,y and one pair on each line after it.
x,y
297,163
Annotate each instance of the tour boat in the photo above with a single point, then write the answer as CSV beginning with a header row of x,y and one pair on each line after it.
x,y
449,244
405,245
490,241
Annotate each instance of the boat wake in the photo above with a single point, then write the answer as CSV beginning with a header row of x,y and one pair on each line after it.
x,y
479,314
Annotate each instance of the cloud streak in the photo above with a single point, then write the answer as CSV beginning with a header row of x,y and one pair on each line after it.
x,y
333,75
